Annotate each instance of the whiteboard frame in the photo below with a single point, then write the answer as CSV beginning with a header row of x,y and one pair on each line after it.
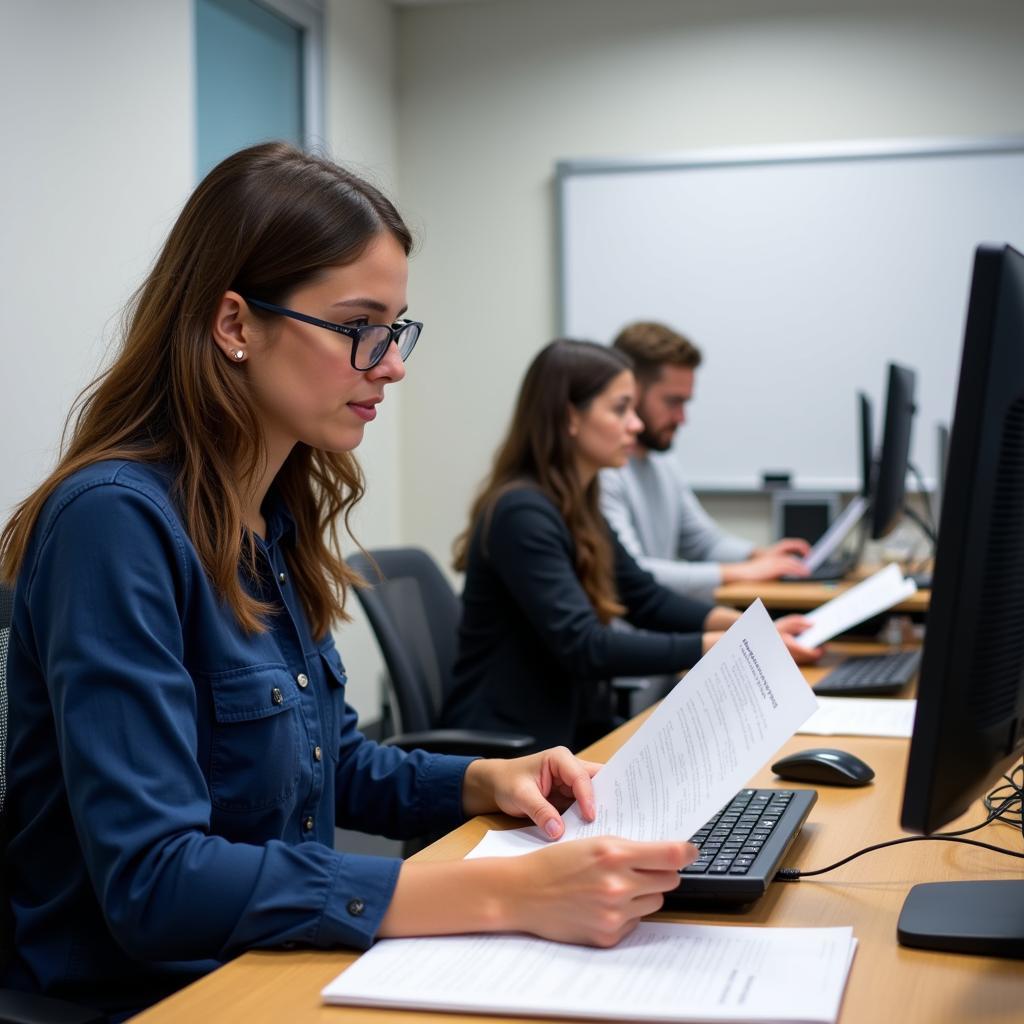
x,y
797,153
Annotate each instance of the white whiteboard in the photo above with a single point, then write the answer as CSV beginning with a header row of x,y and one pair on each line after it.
x,y
799,273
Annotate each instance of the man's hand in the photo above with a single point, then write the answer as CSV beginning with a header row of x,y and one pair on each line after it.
x,y
795,546
763,567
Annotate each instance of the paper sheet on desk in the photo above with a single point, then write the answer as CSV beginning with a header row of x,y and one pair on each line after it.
x,y
861,716
872,596
716,728
660,972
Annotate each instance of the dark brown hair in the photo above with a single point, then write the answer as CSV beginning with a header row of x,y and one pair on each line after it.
x,y
651,345
538,451
263,222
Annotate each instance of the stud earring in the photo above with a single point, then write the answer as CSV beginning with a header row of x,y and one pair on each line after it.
x,y
238,354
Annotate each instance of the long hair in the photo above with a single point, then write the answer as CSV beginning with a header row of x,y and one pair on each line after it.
x,y
263,222
538,451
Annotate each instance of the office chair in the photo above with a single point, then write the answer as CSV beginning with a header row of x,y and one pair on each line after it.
x,y
22,1007
414,614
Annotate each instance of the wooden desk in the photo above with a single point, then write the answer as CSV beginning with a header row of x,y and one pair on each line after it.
x,y
782,596
887,982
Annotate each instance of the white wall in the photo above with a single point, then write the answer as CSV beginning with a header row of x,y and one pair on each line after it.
x,y
97,129
466,107
492,95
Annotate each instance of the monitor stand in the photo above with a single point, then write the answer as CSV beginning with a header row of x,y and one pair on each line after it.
x,y
985,918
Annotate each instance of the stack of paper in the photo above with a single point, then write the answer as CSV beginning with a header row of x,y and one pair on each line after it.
x,y
661,972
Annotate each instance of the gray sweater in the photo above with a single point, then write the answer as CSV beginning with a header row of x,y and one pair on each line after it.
x,y
660,522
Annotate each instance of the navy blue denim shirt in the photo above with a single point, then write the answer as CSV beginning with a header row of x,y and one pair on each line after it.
x,y
174,782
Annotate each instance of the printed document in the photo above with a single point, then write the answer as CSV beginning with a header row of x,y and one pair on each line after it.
x,y
861,716
872,596
660,972
722,721
830,540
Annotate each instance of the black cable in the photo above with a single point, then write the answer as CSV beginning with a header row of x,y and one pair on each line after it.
x,y
926,528
1013,812
1003,812
932,530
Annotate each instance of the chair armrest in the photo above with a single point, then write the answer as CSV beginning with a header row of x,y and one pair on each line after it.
x,y
464,741
631,684
29,1008
624,689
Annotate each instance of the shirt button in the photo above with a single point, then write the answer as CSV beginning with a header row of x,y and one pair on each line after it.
x,y
281,578
317,754
307,824
302,679
356,907
276,696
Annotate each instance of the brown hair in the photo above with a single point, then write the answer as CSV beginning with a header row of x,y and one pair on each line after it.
x,y
651,345
538,451
263,222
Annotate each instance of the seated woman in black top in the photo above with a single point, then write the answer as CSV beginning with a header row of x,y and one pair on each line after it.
x,y
545,576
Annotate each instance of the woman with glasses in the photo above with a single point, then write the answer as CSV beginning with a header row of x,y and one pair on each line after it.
x,y
545,577
180,749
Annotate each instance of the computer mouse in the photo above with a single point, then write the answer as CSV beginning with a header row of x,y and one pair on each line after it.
x,y
826,766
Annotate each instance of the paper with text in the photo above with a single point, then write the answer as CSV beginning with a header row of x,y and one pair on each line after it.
x,y
660,972
834,536
876,594
716,728
861,716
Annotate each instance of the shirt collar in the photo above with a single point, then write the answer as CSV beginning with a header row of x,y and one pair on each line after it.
x,y
279,520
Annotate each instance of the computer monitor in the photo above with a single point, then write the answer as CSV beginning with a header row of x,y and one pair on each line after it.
x,y
969,725
891,479
867,445
941,458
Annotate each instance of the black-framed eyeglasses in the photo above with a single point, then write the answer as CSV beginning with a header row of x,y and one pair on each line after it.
x,y
370,342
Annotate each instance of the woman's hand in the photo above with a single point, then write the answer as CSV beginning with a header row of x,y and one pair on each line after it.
x,y
720,618
537,787
708,640
593,891
790,627
590,891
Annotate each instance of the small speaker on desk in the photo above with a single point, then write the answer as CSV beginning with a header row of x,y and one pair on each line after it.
x,y
804,514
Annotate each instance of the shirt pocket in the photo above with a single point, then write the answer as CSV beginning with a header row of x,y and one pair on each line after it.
x,y
335,677
254,751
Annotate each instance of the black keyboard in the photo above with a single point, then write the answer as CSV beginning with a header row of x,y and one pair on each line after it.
x,y
830,569
742,846
870,675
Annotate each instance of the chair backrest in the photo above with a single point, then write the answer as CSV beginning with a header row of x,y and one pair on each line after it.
x,y
6,922
415,615
6,610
